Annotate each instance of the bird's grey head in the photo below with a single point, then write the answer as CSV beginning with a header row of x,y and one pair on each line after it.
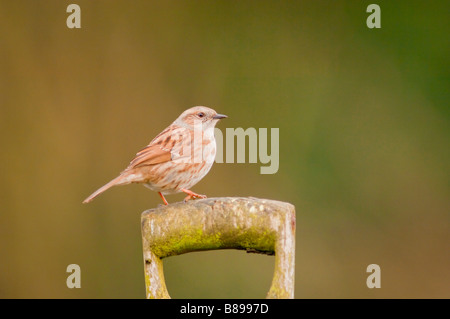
x,y
197,115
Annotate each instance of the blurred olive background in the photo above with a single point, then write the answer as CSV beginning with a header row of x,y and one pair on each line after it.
x,y
364,140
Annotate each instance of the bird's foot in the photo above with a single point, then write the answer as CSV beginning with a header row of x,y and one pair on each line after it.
x,y
191,195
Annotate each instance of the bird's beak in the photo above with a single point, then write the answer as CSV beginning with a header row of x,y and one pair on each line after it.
x,y
219,116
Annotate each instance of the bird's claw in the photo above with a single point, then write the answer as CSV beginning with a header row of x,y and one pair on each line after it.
x,y
192,195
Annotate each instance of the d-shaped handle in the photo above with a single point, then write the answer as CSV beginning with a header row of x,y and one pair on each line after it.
x,y
252,224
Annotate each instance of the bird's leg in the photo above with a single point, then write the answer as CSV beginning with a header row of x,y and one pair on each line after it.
x,y
191,195
163,198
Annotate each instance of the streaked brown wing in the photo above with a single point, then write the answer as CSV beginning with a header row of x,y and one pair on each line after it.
x,y
159,150
150,155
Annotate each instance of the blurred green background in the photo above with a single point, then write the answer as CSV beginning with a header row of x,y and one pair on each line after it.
x,y
364,140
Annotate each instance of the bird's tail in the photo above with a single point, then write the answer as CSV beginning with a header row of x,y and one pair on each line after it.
x,y
115,181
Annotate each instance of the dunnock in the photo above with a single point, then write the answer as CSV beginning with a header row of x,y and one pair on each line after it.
x,y
175,160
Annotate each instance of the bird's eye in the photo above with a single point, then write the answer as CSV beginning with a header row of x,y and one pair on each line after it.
x,y
201,114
